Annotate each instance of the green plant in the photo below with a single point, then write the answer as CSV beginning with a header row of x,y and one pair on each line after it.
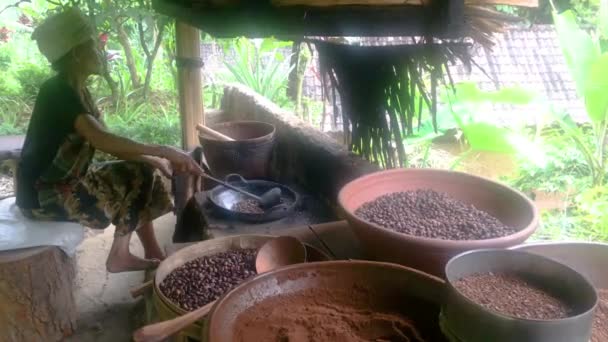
x,y
592,205
146,122
588,65
31,76
261,66
12,117
311,110
584,218
482,132
564,168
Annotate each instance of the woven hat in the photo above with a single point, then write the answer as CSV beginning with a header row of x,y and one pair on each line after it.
x,y
60,33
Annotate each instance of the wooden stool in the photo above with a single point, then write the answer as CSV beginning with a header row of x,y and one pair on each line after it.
x,y
36,284
37,294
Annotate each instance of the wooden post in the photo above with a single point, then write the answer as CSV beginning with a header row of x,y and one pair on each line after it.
x,y
189,63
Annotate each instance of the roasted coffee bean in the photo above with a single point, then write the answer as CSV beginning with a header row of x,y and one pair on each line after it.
x,y
251,206
512,295
203,280
248,206
431,214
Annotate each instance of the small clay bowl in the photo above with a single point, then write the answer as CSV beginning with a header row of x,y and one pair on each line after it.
x,y
471,322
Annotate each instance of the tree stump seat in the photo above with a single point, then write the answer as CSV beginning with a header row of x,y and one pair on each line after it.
x,y
37,294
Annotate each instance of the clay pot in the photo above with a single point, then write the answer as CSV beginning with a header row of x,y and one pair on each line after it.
x,y
430,255
249,155
366,285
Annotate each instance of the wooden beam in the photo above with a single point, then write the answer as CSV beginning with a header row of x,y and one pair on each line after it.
x,y
188,46
444,18
330,3
520,3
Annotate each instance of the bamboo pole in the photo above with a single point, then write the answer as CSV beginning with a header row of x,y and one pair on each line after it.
x,y
190,83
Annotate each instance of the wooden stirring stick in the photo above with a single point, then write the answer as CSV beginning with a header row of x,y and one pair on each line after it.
x,y
160,331
141,289
213,133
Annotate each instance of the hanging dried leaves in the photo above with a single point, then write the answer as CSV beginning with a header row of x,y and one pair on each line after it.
x,y
383,89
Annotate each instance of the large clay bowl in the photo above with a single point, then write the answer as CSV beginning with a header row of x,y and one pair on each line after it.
x,y
430,255
366,285
588,258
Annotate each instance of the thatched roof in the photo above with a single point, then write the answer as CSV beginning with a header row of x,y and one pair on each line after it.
x,y
290,19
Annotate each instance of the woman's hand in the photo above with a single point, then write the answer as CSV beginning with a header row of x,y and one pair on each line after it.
x,y
181,161
163,165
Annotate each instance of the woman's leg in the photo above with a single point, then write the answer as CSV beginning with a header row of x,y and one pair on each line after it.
x,y
148,239
120,258
131,196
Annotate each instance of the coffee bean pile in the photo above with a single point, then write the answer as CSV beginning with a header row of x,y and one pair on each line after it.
x,y
512,295
203,280
248,206
432,214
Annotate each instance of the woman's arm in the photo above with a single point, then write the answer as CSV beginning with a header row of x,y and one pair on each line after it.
x,y
103,140
136,157
156,162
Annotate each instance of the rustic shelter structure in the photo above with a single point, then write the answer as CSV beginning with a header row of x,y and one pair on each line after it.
x,y
45,309
295,19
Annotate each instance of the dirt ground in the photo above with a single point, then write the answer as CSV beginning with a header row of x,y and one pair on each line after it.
x,y
6,186
106,310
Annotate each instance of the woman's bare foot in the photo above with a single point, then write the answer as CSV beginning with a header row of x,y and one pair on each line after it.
x,y
130,263
120,258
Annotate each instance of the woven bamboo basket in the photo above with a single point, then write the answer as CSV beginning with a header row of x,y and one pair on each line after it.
x,y
167,310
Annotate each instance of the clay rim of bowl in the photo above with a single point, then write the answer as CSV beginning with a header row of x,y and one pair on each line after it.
x,y
450,287
443,243
262,138
286,269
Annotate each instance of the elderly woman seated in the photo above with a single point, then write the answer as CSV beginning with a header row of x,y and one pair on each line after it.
x,y
56,179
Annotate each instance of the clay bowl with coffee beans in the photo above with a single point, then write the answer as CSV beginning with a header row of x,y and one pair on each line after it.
x,y
422,217
199,274
504,295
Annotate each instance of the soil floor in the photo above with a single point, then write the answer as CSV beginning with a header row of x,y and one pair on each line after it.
x,y
106,310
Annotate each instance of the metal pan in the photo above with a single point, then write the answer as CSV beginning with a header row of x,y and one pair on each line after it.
x,y
223,199
472,322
